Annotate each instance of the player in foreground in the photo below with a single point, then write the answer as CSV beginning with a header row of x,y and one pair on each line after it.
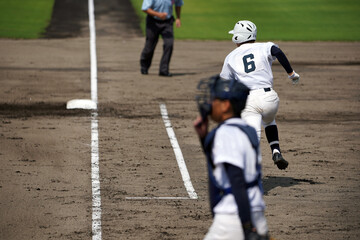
x,y
251,64
233,156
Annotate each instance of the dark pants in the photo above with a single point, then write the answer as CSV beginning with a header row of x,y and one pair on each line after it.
x,y
155,28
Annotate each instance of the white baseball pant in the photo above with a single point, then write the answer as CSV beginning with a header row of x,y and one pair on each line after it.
x,y
261,109
228,226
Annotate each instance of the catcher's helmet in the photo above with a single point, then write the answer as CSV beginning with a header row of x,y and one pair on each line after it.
x,y
216,87
243,31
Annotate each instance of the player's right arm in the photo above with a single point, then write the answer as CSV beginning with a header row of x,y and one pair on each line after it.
x,y
201,127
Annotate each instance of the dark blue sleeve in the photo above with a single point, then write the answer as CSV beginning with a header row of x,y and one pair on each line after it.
x,y
238,187
276,52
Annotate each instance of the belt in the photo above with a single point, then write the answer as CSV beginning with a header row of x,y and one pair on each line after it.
x,y
259,90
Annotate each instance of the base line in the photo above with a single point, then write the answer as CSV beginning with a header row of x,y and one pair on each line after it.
x,y
95,171
178,154
95,179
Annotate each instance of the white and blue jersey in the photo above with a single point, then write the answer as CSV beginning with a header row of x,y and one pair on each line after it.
x,y
251,64
231,145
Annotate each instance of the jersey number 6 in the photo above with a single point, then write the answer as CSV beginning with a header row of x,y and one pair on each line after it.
x,y
249,65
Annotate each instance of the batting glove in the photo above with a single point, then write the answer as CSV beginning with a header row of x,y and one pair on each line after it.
x,y
294,77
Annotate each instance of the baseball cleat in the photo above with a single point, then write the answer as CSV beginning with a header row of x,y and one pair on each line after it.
x,y
165,74
280,162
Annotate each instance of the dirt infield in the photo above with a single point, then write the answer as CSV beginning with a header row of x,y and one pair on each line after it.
x,y
45,172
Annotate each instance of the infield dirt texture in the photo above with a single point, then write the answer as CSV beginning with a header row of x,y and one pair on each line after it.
x,y
45,176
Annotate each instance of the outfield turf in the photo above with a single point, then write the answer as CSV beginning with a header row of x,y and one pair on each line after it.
x,y
296,20
24,18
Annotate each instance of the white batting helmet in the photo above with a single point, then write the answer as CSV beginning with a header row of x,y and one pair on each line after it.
x,y
244,31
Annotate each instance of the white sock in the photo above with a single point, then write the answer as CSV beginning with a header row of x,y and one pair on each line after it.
x,y
276,151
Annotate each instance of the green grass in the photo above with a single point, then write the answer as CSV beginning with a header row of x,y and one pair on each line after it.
x,y
24,18
287,20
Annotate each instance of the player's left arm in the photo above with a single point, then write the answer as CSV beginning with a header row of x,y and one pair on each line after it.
x,y
280,55
178,5
238,187
178,14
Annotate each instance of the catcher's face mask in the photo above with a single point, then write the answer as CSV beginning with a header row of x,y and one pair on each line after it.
x,y
203,98
216,87
208,90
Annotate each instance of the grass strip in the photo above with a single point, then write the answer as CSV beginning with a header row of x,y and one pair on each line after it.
x,y
295,20
24,18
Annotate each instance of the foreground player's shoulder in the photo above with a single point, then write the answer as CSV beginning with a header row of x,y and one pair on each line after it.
x,y
229,146
231,131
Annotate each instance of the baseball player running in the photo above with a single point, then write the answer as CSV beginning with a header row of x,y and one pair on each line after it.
x,y
251,64
232,151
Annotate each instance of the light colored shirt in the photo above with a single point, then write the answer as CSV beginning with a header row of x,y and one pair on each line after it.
x,y
162,6
251,64
231,145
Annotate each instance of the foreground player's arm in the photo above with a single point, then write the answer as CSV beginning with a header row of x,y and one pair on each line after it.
x,y
238,187
201,127
276,52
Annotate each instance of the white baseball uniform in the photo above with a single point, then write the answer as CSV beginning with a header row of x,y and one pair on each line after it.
x,y
232,146
251,64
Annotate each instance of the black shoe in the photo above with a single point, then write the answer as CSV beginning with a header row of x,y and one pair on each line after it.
x,y
144,72
166,74
280,162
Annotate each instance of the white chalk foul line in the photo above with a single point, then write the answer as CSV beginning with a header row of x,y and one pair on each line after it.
x,y
178,154
95,179
95,172
93,57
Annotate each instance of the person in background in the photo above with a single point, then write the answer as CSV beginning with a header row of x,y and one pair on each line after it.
x,y
159,21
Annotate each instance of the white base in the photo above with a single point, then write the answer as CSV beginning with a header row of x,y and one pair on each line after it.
x,y
81,104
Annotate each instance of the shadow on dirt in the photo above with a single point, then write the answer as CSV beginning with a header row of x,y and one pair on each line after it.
x,y
58,109
15,110
270,182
